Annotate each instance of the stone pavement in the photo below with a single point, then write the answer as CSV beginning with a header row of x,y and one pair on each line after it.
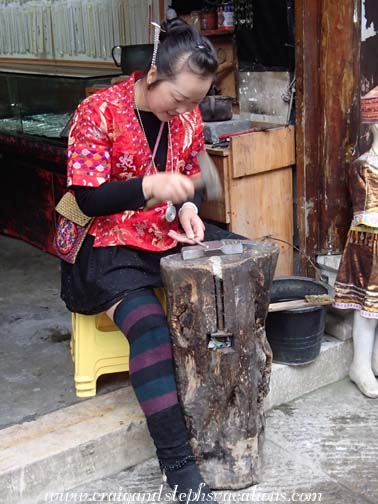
x,y
322,447
35,360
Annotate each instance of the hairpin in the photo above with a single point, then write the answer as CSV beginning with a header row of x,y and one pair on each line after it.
x,y
157,31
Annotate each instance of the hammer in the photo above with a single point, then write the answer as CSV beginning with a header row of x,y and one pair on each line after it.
x,y
208,179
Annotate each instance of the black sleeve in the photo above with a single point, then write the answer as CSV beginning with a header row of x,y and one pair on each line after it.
x,y
111,197
197,199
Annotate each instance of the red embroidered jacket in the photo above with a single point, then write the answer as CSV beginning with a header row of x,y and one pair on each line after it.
x,y
106,143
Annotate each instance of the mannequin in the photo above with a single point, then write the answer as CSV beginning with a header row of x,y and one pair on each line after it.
x,y
364,367
356,285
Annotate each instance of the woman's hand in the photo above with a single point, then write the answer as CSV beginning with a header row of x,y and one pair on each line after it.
x,y
173,187
192,225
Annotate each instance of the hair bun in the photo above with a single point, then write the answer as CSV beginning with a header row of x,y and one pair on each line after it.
x,y
173,26
179,39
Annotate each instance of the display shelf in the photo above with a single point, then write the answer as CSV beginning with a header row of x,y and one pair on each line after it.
x,y
218,32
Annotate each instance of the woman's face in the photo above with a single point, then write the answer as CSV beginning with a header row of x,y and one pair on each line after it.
x,y
173,97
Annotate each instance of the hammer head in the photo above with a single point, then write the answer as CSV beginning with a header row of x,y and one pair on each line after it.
x,y
209,177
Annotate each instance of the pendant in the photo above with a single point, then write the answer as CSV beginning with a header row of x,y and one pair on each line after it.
x,y
170,213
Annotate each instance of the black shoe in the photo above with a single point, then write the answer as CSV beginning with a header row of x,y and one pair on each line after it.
x,y
188,484
176,458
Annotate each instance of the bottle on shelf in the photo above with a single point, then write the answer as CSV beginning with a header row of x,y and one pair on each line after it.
x,y
226,16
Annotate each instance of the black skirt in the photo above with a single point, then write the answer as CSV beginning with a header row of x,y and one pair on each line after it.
x,y
101,276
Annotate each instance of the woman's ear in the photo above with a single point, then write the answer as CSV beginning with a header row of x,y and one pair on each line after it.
x,y
152,75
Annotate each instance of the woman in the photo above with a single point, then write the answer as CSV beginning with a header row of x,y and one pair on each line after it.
x,y
134,141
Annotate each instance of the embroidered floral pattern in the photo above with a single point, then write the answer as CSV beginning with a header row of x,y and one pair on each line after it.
x,y
126,164
366,218
88,166
158,236
66,236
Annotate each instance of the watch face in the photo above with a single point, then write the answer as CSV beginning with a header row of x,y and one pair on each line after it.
x,y
170,213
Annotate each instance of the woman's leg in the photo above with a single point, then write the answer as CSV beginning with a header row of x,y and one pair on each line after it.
x,y
141,318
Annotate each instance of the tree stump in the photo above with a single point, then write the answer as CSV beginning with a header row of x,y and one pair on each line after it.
x,y
222,389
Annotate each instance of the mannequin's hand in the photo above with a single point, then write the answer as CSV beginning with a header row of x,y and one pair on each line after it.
x,y
192,225
173,187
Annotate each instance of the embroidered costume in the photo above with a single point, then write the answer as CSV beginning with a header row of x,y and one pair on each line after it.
x,y
107,143
356,285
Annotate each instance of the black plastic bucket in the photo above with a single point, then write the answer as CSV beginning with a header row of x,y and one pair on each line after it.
x,y
295,336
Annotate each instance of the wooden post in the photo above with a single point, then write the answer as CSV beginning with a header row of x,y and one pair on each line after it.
x,y
307,21
328,82
222,390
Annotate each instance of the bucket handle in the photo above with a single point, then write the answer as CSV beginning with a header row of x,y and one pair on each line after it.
x,y
322,278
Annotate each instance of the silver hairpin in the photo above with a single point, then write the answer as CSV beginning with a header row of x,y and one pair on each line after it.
x,y
157,31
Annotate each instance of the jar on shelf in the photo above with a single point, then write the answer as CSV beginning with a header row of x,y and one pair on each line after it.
x,y
208,20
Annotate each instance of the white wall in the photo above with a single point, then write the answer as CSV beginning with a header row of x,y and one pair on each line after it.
x,y
366,31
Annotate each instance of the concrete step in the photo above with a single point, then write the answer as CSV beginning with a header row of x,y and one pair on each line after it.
x,y
290,382
108,433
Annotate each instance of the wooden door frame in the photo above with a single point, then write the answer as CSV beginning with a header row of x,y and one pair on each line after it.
x,y
328,40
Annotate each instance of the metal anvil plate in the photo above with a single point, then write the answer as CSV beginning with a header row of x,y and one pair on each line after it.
x,y
216,248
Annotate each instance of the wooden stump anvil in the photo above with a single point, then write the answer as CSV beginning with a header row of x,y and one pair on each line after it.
x,y
217,305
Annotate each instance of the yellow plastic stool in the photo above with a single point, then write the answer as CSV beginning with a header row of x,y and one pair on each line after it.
x,y
98,347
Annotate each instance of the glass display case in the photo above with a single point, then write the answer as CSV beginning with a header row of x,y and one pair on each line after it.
x,y
36,104
39,100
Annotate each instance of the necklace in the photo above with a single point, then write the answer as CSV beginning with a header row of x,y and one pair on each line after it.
x,y
170,213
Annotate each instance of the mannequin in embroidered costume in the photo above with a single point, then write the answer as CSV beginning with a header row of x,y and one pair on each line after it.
x,y
356,286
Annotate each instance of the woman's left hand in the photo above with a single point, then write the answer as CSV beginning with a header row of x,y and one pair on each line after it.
x,y
192,225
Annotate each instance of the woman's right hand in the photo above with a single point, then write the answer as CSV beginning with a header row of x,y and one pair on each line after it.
x,y
173,187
